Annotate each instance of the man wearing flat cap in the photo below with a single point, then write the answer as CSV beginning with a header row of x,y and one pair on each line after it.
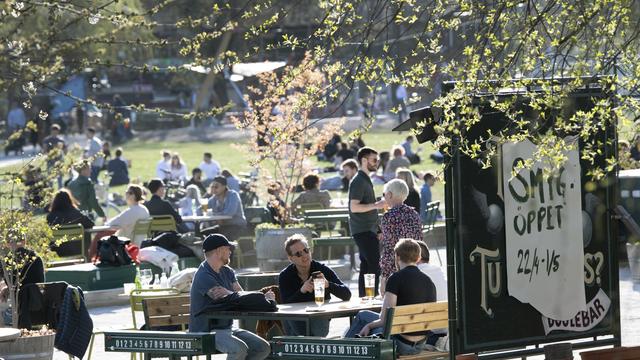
x,y
225,201
212,282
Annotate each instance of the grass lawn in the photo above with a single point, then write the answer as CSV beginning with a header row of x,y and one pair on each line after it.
x,y
144,156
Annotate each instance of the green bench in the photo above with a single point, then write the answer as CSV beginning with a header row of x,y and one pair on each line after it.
x,y
304,347
333,241
431,216
171,344
328,211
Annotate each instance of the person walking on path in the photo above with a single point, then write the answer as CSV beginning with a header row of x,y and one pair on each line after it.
x,y
363,216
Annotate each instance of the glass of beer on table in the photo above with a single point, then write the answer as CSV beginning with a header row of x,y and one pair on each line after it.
x,y
318,290
205,206
369,286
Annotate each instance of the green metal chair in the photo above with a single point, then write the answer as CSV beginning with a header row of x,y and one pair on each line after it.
x,y
135,301
246,249
68,233
160,223
141,231
432,214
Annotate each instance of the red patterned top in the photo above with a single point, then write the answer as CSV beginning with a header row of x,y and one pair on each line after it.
x,y
399,222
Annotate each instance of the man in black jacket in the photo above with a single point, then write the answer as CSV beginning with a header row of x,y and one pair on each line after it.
x,y
158,206
296,284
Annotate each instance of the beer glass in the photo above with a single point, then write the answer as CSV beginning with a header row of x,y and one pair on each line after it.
x,y
146,276
205,206
318,290
369,286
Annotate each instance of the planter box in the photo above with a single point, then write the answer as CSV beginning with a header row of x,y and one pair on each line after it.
x,y
189,262
270,247
32,348
90,277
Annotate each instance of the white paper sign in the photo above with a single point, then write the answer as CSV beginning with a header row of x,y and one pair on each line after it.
x,y
543,228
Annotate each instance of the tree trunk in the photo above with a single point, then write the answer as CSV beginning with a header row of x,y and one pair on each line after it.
x,y
13,301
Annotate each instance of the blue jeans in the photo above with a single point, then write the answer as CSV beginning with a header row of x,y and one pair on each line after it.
x,y
316,328
366,316
241,344
363,318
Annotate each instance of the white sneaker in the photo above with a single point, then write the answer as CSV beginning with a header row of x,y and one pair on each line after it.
x,y
442,344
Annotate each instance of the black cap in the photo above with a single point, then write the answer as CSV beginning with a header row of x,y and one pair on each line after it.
x,y
214,241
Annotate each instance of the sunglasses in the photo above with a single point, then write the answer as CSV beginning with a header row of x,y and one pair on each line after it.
x,y
301,253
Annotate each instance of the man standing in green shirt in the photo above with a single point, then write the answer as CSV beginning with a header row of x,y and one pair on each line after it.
x,y
83,190
363,216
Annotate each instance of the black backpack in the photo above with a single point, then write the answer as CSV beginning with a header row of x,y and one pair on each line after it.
x,y
112,252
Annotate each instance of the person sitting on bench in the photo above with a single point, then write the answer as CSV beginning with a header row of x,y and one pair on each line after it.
x,y
214,280
296,284
422,290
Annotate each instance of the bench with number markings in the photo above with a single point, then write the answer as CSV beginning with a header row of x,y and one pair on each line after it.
x,y
401,319
173,344
163,311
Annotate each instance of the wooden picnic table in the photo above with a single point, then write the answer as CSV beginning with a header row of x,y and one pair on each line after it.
x,y
329,211
304,311
320,219
198,219
202,218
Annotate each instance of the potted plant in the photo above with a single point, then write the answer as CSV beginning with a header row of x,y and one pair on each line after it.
x,y
22,236
269,244
20,230
283,137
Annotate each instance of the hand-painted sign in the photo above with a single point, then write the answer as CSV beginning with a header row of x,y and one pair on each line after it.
x,y
584,320
543,231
